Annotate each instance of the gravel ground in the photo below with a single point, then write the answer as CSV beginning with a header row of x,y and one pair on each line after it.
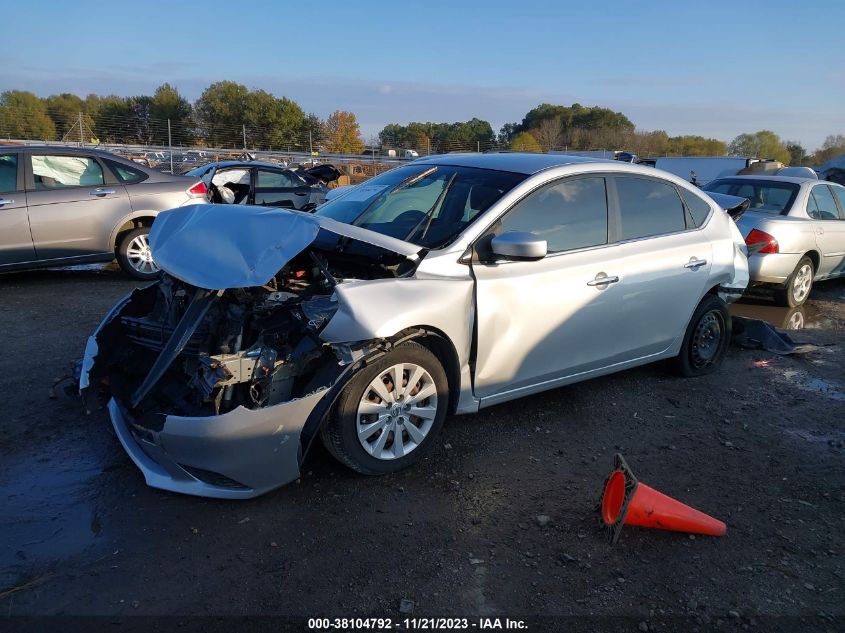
x,y
499,520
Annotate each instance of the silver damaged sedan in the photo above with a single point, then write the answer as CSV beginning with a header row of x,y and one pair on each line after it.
x,y
447,285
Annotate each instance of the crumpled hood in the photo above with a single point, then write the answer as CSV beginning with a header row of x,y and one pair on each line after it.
x,y
219,246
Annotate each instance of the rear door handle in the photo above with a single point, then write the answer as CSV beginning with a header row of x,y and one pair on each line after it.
x,y
101,192
4,201
602,280
819,230
694,263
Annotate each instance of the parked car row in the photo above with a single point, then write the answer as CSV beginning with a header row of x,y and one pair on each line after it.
x,y
443,286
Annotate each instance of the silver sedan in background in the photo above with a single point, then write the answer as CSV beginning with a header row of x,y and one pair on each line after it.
x,y
443,286
794,229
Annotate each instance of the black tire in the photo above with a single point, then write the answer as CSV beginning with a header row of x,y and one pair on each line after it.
x,y
706,340
339,433
124,260
786,296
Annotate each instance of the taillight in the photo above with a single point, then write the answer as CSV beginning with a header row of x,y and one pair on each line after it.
x,y
760,242
198,189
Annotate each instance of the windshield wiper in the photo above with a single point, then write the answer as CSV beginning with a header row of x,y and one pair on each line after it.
x,y
429,215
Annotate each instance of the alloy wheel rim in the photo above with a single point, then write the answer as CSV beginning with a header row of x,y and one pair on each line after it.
x,y
801,284
140,256
707,339
396,411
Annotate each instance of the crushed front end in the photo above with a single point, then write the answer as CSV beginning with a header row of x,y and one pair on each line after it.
x,y
209,391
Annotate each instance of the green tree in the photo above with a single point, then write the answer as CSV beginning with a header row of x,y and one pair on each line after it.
x,y
64,109
525,142
692,145
343,135
220,113
762,144
168,105
112,118
25,116
797,153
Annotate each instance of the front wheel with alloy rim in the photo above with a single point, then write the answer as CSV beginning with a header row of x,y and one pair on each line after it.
x,y
135,257
389,413
798,285
706,339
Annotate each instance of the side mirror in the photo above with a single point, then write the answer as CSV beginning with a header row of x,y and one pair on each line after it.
x,y
519,245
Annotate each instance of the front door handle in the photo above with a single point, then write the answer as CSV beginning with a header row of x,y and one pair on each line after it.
x,y
4,201
602,280
695,264
99,191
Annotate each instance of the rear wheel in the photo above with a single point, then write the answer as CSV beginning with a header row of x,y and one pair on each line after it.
x,y
134,255
389,413
706,340
798,285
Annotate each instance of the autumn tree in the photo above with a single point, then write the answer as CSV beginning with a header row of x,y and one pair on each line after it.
x,y
833,146
342,133
168,105
548,133
24,115
525,142
762,144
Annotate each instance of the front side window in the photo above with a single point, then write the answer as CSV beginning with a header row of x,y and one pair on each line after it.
x,y
58,172
648,208
429,205
8,173
568,214
820,204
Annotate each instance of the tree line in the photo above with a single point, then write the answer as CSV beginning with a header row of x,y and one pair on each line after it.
x,y
228,114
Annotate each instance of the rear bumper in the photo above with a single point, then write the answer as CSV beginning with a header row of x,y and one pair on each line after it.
x,y
772,268
238,455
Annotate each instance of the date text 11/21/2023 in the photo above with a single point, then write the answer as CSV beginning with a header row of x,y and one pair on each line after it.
x,y
414,624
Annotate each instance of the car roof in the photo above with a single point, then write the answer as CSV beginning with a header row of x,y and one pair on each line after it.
x,y
517,162
59,149
245,163
797,180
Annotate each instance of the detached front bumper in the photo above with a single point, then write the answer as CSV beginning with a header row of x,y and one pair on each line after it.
x,y
237,455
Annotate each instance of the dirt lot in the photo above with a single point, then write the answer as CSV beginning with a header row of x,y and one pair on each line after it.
x,y
759,445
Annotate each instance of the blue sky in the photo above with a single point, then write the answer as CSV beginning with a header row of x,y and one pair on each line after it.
x,y
712,68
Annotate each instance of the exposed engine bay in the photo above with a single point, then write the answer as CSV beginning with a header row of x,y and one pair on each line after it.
x,y
178,349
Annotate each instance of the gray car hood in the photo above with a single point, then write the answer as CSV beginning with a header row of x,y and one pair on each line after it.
x,y
219,246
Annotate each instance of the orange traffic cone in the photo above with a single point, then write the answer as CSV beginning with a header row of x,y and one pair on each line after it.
x,y
628,502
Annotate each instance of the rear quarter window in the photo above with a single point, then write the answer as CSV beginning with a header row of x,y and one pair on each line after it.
x,y
697,207
125,174
648,208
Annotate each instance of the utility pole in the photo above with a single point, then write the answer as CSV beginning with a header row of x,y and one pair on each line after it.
x,y
310,145
478,146
244,130
81,132
170,145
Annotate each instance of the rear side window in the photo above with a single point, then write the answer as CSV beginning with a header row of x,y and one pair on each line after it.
x,y
820,205
59,172
275,179
698,208
840,196
8,172
127,175
648,208
568,214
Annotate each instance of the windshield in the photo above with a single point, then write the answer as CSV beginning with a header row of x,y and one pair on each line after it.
x,y
424,204
766,196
